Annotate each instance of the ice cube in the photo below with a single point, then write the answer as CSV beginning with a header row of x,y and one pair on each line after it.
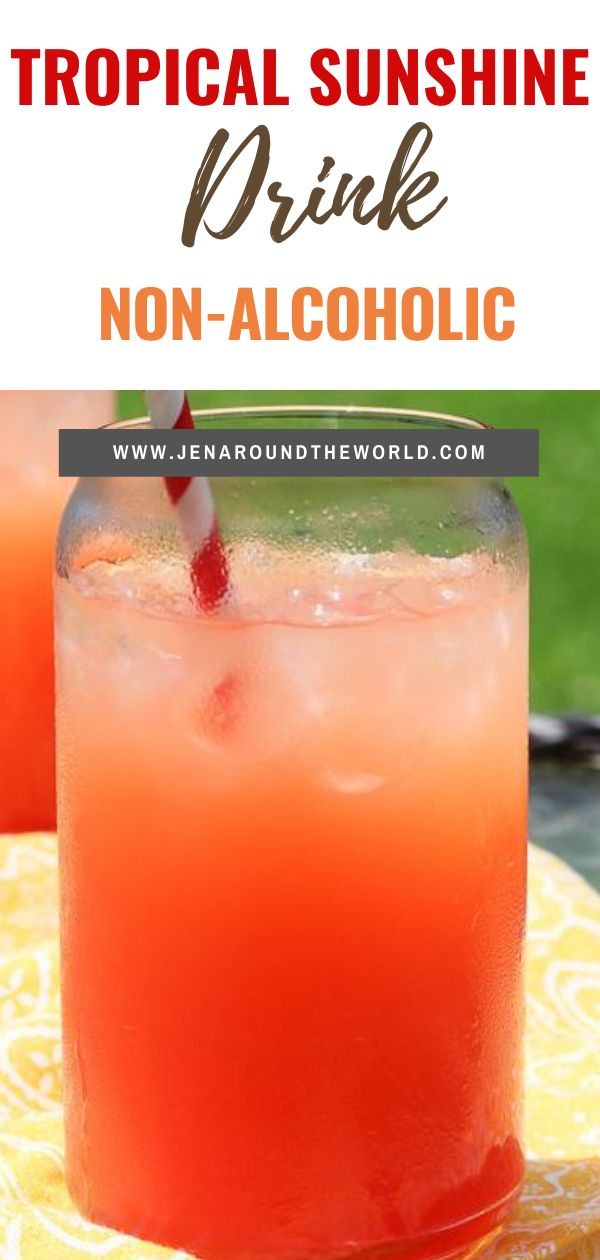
x,y
353,782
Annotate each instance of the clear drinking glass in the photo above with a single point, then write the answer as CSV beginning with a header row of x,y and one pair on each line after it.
x,y
293,842
31,501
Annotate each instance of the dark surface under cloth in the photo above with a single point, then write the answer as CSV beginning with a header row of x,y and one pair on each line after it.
x,y
564,814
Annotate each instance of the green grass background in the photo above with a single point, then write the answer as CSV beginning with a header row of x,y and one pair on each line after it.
x,y
561,510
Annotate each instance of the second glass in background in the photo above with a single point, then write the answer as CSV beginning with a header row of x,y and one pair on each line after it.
x,y
32,497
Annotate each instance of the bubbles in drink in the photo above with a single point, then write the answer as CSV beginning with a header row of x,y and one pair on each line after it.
x,y
277,673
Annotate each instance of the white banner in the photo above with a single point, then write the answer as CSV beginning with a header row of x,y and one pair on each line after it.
x,y
458,245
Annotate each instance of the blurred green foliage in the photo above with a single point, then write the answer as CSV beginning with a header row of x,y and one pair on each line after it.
x,y
561,510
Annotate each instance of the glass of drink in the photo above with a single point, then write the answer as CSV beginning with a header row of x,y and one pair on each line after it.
x,y
31,500
293,845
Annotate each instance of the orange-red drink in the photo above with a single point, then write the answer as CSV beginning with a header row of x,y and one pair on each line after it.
x,y
31,500
293,875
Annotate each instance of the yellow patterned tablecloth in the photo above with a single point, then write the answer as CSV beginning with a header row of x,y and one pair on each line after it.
x,y
559,1213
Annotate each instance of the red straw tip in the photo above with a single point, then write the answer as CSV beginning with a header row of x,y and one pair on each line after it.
x,y
210,572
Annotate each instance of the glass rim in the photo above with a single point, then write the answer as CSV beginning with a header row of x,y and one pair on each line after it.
x,y
299,411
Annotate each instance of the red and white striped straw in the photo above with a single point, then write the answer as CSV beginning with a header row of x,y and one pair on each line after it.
x,y
193,500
